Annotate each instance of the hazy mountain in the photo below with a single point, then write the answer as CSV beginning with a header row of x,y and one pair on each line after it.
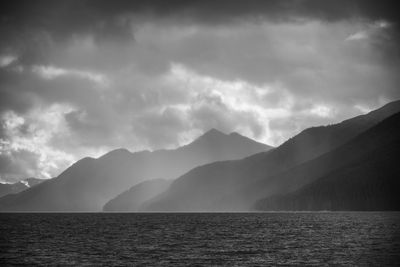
x,y
132,199
19,186
360,175
236,185
6,189
29,182
89,183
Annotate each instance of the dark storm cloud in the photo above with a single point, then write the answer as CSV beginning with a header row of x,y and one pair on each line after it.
x,y
112,19
32,29
87,13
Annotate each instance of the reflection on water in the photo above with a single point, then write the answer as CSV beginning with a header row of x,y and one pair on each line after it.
x,y
180,239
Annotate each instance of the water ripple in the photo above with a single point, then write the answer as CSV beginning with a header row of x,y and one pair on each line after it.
x,y
201,239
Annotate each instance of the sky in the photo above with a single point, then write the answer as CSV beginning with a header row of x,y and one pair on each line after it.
x,y
80,78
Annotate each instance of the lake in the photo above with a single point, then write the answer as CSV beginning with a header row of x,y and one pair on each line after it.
x,y
202,239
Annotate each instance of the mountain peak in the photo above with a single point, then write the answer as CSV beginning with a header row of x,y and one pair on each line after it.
x,y
212,133
234,134
119,152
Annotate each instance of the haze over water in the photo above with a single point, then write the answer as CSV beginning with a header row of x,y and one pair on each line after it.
x,y
183,239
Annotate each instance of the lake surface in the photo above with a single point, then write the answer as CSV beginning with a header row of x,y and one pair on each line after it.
x,y
201,239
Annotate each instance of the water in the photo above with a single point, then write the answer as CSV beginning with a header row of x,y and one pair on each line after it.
x,y
255,239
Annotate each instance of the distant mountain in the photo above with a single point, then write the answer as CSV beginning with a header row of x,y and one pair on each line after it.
x,y
6,189
89,183
132,199
19,186
360,175
236,185
32,181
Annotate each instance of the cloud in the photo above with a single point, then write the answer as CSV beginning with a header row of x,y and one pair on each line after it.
x,y
357,36
370,30
51,72
6,60
32,29
80,78
16,165
25,143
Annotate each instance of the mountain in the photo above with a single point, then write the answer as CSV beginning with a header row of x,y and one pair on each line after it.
x,y
89,183
6,189
360,175
19,186
132,199
236,185
29,182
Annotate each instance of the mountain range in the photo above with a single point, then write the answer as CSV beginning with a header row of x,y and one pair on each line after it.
x,y
19,186
350,165
361,175
237,185
89,183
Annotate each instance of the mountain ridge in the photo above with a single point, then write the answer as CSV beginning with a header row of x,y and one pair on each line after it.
x,y
19,186
367,179
131,199
89,183
222,180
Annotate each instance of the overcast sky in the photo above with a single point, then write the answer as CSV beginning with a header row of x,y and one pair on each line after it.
x,y
79,78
